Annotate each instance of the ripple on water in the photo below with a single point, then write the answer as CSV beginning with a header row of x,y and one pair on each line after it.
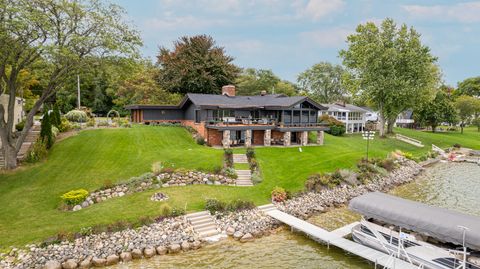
x,y
453,186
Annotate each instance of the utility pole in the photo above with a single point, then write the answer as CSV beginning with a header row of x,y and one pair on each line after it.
x,y
78,91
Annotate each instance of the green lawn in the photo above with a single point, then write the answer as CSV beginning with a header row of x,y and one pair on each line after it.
x,y
30,196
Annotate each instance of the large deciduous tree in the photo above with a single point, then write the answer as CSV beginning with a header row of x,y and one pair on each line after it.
x,y
470,86
53,37
196,65
253,81
390,67
439,109
467,107
323,82
141,88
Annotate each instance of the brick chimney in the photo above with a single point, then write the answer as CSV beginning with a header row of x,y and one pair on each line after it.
x,y
263,93
228,90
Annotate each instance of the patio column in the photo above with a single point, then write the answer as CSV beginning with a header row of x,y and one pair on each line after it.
x,y
304,138
320,135
226,139
267,138
248,138
286,138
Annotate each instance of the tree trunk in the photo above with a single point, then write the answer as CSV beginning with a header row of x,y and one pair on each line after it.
x,y
10,155
461,128
433,128
390,124
381,122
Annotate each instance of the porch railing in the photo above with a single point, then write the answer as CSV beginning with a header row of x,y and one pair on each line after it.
x,y
226,121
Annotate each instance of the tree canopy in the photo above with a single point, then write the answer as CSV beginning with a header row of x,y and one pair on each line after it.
x,y
390,67
51,38
468,108
439,109
470,86
196,65
323,82
253,81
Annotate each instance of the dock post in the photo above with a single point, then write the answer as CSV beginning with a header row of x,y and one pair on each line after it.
x,y
375,264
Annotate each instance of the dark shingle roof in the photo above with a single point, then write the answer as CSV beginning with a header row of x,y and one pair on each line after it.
x,y
223,101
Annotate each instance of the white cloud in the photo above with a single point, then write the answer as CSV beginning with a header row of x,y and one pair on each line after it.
x,y
245,46
463,12
318,9
169,23
327,38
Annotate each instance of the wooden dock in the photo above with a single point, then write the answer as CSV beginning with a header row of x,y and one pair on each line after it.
x,y
336,239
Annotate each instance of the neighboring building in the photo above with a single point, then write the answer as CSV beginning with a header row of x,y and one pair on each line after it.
x,y
354,117
370,115
405,119
18,109
228,120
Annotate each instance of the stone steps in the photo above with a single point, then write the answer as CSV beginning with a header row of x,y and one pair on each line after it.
x,y
203,223
240,158
31,138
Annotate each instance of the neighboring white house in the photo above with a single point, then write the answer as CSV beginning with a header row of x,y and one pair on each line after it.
x,y
371,115
405,119
18,111
354,117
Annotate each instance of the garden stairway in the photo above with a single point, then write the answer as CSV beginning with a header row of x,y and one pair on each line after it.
x,y
244,177
203,223
31,137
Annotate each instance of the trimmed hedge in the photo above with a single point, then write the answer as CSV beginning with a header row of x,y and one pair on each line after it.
x,y
74,197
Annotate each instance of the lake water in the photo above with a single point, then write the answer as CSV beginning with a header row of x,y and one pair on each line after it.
x,y
454,186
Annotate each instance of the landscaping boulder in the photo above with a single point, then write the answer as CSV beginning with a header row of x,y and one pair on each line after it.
x,y
77,207
149,252
185,246
99,262
161,250
137,254
70,264
112,259
230,231
246,238
174,248
87,263
52,265
196,245
126,256
237,235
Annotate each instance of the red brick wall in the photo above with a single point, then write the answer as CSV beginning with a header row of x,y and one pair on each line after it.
x,y
277,135
200,127
214,137
258,137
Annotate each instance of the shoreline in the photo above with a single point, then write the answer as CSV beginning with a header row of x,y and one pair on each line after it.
x,y
173,235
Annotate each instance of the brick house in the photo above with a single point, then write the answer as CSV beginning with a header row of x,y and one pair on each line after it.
x,y
228,120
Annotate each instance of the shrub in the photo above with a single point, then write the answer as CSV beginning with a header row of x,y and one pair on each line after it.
x,y
239,205
46,134
165,210
103,123
177,212
157,168
118,226
145,220
37,152
279,194
256,178
55,131
76,116
456,145
65,125
250,153
107,184
230,172
19,126
55,116
336,178
217,169
74,197
317,182
337,127
200,140
91,122
85,231
214,205
349,177
228,156
253,164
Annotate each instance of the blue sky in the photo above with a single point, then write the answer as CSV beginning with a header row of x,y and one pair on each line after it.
x,y
290,36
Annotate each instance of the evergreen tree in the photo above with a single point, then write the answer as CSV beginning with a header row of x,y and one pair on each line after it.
x,y
46,130
55,116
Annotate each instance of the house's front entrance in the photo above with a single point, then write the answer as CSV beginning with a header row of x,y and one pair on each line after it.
x,y
237,138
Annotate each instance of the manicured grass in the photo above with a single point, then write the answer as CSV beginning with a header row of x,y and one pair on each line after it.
x,y
30,196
